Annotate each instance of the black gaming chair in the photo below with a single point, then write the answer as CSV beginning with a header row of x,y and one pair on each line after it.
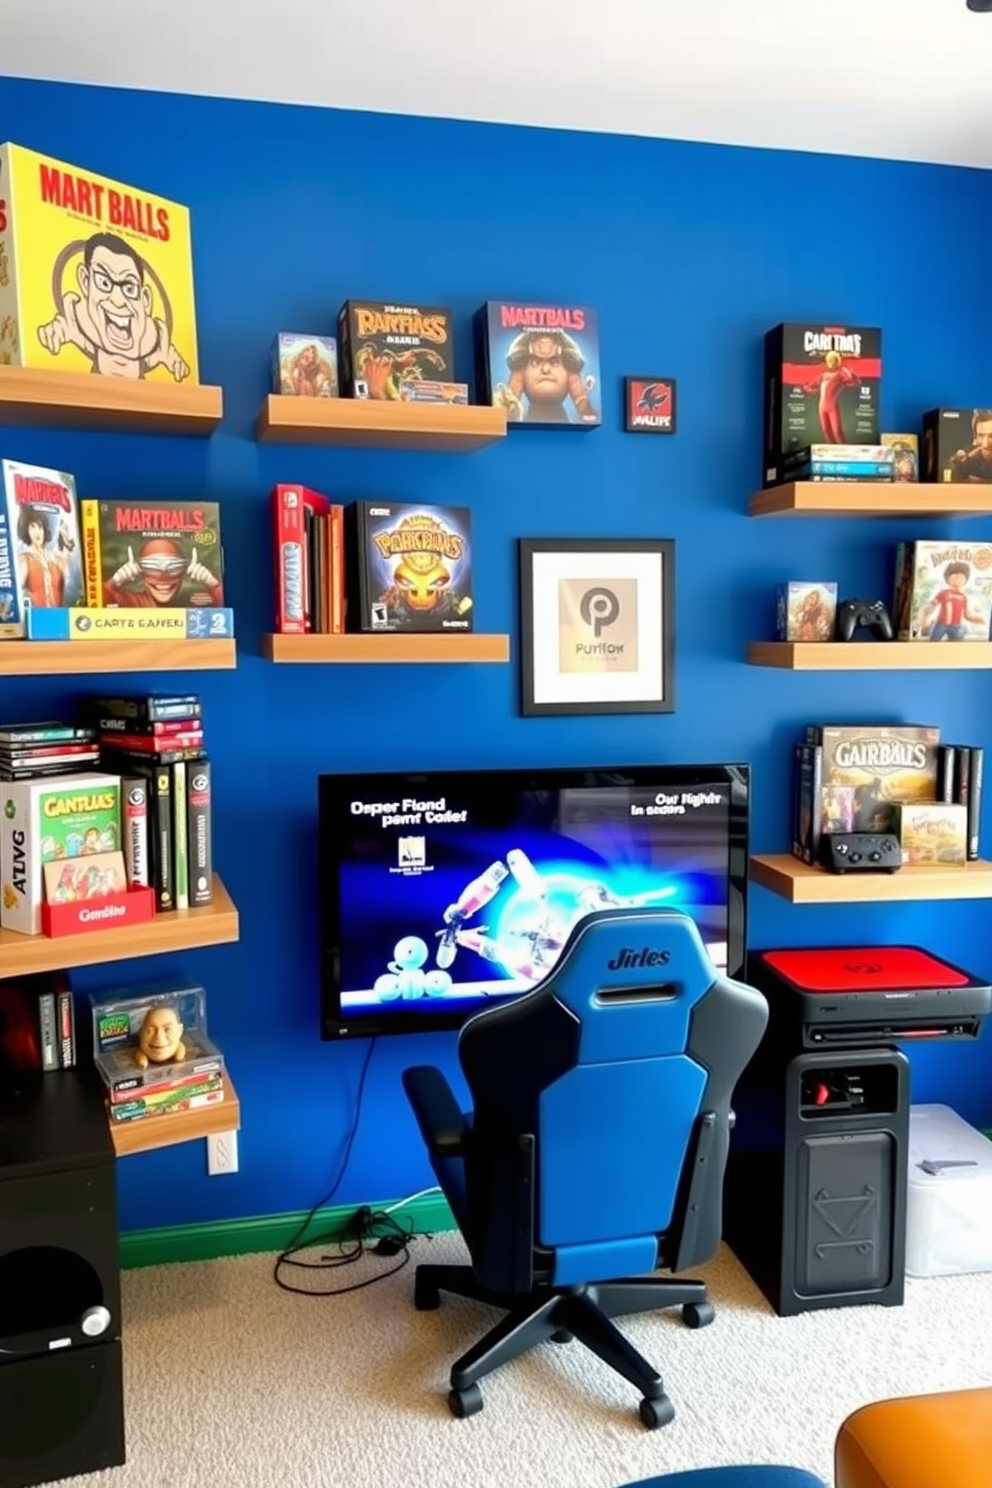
x,y
595,1150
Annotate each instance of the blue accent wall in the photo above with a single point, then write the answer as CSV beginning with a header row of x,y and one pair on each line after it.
x,y
689,252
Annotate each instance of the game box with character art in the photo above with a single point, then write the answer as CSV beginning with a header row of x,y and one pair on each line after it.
x,y
41,556
884,765
408,567
381,345
95,276
822,386
540,363
42,821
304,366
957,446
943,591
164,554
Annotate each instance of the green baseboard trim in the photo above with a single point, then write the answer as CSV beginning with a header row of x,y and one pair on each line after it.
x,y
429,1215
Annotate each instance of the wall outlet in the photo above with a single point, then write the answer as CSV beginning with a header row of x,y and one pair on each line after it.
x,y
222,1153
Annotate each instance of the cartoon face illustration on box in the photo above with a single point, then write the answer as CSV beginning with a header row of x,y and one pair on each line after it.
x,y
544,363
420,569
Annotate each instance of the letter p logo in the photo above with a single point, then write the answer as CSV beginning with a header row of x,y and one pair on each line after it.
x,y
599,608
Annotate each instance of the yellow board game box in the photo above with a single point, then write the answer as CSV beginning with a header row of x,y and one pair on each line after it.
x,y
95,276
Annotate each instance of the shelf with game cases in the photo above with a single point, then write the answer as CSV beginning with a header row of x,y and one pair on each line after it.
x,y
803,883
177,930
871,499
873,655
33,396
149,1134
20,658
427,646
378,424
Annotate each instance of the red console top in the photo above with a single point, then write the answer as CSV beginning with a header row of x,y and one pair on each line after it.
x,y
852,969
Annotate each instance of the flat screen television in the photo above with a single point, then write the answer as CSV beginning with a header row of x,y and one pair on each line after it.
x,y
446,891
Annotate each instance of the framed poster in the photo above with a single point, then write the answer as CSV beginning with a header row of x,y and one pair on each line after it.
x,y
596,625
649,405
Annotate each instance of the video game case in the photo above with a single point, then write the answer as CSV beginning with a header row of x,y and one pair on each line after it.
x,y
160,859
945,773
962,774
49,1029
153,707
408,567
65,1018
198,833
977,773
380,344
133,728
155,744
122,1089
31,734
293,510
179,839
134,829
117,757
140,555
807,833
208,1094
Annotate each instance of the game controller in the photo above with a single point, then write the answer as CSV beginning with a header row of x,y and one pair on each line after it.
x,y
867,614
879,852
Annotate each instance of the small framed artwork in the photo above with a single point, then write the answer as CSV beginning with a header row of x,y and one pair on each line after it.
x,y
649,405
596,625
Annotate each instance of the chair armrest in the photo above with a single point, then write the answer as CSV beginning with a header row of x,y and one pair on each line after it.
x,y
442,1124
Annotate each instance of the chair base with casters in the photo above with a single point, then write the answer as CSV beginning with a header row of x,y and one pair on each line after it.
x,y
561,1314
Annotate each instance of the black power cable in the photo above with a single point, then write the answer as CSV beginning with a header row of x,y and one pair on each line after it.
x,y
355,1240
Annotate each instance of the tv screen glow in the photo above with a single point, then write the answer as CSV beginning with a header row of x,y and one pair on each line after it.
x,y
443,892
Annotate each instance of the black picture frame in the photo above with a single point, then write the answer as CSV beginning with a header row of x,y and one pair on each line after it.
x,y
650,405
597,620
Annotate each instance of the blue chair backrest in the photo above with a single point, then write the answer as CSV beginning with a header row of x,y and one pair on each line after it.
x,y
609,1064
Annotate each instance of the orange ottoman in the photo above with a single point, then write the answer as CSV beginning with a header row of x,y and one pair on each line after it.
x,y
921,1441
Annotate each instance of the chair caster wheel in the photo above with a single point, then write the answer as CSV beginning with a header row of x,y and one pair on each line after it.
x,y
426,1296
561,1335
698,1314
657,1412
466,1402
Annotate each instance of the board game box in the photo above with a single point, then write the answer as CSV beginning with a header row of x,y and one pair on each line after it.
x,y
822,385
932,832
41,555
153,554
805,611
65,816
884,764
381,344
408,567
305,366
539,362
95,276
943,591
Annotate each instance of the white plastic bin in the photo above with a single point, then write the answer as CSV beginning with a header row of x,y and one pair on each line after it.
x,y
949,1200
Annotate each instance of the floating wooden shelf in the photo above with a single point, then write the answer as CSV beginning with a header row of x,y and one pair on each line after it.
x,y
371,423
386,647
871,499
83,400
871,656
801,883
179,930
150,1132
51,658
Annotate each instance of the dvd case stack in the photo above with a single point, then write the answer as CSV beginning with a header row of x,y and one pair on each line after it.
x,y
29,750
153,1053
155,743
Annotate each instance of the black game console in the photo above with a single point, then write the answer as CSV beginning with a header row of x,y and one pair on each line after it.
x,y
863,614
844,852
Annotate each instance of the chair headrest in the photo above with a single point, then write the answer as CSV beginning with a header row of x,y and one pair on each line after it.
x,y
632,958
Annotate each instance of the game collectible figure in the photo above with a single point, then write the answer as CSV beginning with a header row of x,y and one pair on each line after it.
x,y
95,276
539,362
160,1038
408,567
383,345
305,366
822,385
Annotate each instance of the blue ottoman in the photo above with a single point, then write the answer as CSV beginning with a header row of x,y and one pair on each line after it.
x,y
734,1477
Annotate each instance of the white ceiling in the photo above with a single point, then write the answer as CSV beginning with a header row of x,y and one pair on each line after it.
x,y
900,79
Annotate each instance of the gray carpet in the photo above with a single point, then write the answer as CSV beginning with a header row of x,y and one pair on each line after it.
x,y
232,1383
